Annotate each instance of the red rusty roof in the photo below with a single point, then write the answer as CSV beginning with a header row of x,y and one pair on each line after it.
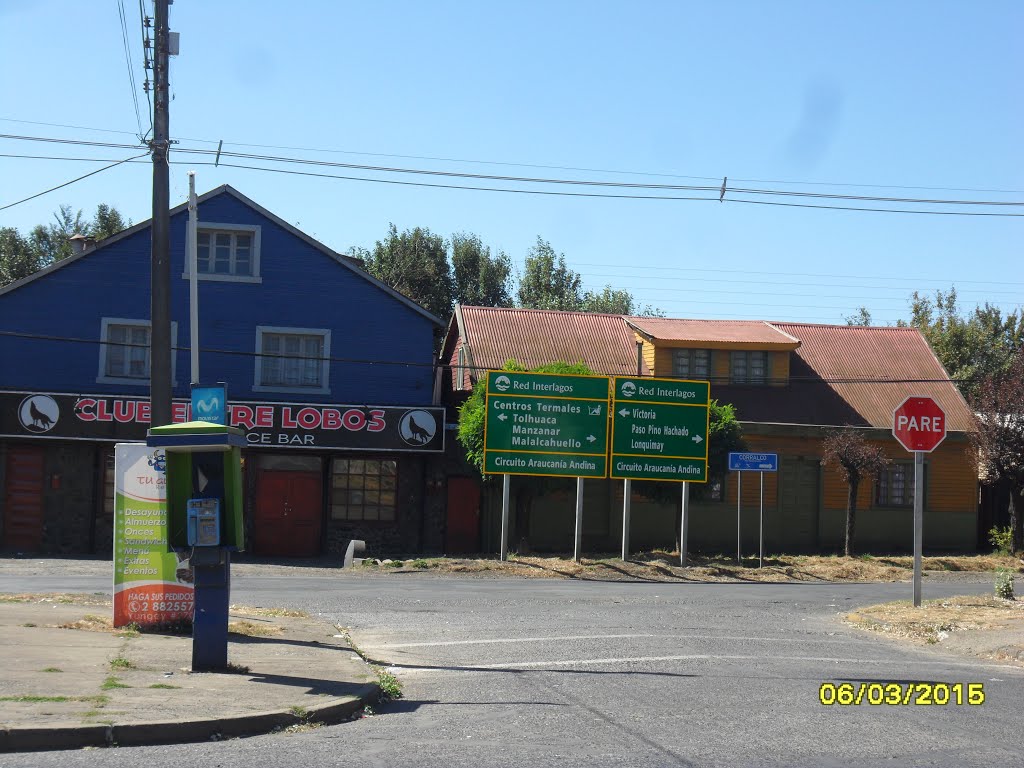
x,y
874,369
755,333
535,337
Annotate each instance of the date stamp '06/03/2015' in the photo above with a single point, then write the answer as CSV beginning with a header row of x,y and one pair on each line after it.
x,y
895,694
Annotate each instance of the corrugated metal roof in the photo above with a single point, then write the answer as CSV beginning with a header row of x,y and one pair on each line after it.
x,y
535,337
873,370
753,332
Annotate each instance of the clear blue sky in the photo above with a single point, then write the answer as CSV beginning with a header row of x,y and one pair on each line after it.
x,y
921,94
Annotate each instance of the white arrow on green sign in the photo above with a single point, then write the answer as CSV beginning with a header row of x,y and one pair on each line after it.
x,y
546,424
659,429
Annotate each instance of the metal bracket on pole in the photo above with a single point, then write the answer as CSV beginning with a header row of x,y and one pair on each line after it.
x,y
918,523
579,519
627,493
684,524
506,483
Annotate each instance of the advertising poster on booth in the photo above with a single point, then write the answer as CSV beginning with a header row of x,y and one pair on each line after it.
x,y
151,584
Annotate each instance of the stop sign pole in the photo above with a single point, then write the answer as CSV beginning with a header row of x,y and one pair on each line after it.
x,y
919,424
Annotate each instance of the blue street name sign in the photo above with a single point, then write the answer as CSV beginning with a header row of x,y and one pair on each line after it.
x,y
753,462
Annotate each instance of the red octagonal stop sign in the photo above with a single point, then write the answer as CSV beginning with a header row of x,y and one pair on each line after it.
x,y
919,424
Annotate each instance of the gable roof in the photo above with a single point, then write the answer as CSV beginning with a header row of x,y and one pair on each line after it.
x,y
873,370
535,337
754,333
344,261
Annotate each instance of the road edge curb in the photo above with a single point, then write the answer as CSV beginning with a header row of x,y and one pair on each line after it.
x,y
63,737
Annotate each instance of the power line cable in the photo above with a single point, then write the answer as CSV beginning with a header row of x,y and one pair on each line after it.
x,y
131,69
67,183
586,182
655,174
442,365
788,274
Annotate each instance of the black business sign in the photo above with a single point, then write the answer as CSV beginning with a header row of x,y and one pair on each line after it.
x,y
120,418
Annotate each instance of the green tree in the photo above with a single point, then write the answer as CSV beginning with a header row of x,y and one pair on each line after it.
x,y
970,347
612,301
548,282
857,460
107,221
414,263
480,279
860,317
998,438
471,435
21,255
18,258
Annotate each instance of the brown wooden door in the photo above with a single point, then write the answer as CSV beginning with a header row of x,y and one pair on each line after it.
x,y
462,534
289,506
23,499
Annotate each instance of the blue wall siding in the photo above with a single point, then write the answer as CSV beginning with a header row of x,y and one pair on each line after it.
x,y
302,288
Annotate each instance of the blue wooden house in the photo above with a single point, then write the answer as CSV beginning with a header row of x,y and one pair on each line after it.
x,y
329,372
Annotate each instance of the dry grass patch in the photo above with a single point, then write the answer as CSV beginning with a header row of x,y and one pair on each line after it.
x,y
936,618
274,613
661,565
90,623
71,598
249,629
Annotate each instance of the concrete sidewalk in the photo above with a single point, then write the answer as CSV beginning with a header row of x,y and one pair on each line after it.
x,y
69,681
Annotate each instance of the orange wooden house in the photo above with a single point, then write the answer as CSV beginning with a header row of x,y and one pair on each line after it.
x,y
790,384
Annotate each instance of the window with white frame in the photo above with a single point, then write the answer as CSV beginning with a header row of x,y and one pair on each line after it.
x,y
460,369
292,359
895,487
691,363
125,352
748,367
227,252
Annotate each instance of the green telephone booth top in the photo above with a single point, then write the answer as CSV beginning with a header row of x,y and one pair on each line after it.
x,y
195,436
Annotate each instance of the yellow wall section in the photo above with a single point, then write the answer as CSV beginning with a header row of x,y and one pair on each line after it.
x,y
951,472
779,368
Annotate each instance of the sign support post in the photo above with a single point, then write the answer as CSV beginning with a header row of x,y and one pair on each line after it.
x,y
919,425
918,523
752,462
579,519
739,494
627,492
505,487
684,524
760,558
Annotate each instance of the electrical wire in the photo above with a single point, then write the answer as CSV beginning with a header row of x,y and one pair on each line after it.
x,y
653,174
128,60
67,183
452,366
575,182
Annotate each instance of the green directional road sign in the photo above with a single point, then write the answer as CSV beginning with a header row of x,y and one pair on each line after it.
x,y
546,424
659,429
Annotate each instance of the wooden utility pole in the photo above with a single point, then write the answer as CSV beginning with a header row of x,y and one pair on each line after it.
x,y
160,275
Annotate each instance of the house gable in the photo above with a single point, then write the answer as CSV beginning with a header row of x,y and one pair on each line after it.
x,y
381,341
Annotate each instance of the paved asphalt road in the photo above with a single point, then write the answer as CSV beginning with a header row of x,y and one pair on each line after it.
x,y
539,673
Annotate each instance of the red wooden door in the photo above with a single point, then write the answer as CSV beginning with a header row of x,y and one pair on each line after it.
x,y
289,506
23,499
462,534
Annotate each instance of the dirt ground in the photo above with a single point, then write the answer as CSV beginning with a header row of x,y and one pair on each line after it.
x,y
664,566
988,627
